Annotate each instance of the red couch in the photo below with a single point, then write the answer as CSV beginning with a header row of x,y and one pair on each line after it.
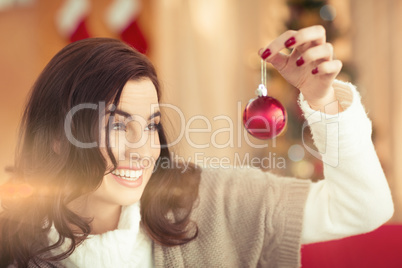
x,y
381,248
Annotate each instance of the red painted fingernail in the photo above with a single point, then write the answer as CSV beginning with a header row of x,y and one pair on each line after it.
x,y
315,70
266,53
290,42
300,61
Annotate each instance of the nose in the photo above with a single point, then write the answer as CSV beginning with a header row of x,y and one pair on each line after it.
x,y
140,155
138,144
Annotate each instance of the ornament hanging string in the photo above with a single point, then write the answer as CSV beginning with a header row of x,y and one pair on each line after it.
x,y
263,72
262,88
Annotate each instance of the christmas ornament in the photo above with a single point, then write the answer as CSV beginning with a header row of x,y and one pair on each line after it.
x,y
264,117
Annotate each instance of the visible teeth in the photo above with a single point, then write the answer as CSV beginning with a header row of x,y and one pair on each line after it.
x,y
130,175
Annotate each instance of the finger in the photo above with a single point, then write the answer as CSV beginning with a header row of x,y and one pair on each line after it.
x,y
298,50
279,61
301,48
300,40
277,45
328,68
318,54
307,38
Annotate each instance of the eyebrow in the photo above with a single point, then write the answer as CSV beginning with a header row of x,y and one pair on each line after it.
x,y
128,116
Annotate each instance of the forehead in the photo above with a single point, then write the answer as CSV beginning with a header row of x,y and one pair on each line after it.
x,y
139,97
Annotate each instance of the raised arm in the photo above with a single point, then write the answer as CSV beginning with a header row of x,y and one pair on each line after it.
x,y
354,197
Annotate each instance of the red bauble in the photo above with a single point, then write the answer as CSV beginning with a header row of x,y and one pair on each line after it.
x,y
264,117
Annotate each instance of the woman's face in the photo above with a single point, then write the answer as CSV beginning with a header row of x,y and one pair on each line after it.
x,y
134,141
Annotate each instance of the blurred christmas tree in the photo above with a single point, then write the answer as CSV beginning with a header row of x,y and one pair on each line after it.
x,y
304,13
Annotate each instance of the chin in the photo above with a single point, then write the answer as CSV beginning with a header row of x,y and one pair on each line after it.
x,y
128,202
113,190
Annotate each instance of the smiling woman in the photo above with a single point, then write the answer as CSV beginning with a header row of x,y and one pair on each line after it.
x,y
79,190
103,190
128,135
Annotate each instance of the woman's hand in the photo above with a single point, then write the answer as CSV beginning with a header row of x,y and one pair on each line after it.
x,y
310,67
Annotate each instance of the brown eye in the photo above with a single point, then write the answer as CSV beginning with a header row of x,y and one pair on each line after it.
x,y
153,127
119,126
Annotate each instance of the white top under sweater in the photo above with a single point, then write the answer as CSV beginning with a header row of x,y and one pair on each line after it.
x,y
339,206
125,247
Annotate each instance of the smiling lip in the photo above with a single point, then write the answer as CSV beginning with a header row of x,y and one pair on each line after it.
x,y
128,177
126,183
130,168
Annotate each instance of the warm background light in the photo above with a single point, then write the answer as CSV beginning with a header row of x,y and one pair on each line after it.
x,y
206,54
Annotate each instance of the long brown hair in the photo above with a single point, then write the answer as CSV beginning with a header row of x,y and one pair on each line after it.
x,y
93,70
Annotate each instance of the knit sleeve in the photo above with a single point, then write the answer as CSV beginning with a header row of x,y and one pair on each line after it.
x,y
285,199
247,218
354,197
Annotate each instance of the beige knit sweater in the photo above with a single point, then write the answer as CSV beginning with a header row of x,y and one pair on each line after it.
x,y
246,218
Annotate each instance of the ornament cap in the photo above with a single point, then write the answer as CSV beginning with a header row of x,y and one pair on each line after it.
x,y
261,90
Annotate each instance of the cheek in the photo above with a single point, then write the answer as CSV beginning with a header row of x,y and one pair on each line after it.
x,y
113,145
155,154
102,147
117,144
156,150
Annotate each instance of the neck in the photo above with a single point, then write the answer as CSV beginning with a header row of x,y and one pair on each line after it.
x,y
105,215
